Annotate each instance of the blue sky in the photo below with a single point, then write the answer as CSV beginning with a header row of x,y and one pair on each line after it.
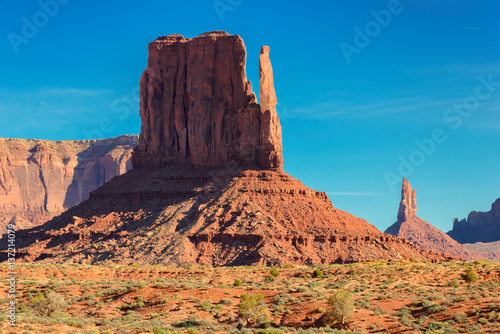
x,y
417,75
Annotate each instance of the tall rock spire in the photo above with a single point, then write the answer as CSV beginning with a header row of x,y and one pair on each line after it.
x,y
270,131
420,232
408,204
198,109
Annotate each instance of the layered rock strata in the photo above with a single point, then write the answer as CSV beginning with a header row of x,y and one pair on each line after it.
x,y
40,179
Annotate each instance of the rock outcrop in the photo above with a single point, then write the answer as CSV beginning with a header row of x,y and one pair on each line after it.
x,y
420,232
408,204
40,179
198,109
209,187
478,227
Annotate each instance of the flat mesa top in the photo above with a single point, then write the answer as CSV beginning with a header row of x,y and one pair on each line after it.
x,y
179,38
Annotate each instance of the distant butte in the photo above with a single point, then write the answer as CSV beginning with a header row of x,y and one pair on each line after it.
x,y
208,186
479,226
420,232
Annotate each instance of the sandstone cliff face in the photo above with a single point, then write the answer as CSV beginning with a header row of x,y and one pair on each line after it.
x,y
198,109
39,179
420,232
479,226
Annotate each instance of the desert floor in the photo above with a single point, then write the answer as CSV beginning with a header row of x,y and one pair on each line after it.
x,y
390,297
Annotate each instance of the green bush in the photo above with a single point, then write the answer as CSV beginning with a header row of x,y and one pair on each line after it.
x,y
317,273
274,271
159,331
252,308
237,282
469,276
341,308
453,283
45,306
206,305
269,278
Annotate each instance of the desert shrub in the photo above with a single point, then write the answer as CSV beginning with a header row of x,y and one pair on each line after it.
x,y
269,278
237,282
453,283
192,322
274,271
281,299
252,308
45,306
469,276
206,305
226,302
435,325
270,331
341,308
317,273
159,331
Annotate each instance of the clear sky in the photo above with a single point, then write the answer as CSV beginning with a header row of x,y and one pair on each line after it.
x,y
368,91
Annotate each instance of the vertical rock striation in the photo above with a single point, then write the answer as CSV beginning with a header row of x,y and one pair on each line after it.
x,y
270,131
40,179
198,109
408,204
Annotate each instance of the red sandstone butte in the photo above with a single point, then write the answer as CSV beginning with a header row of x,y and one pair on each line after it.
x,y
198,109
420,232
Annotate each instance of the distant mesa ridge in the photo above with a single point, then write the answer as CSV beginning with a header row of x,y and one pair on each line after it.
x,y
207,185
478,226
420,232
40,179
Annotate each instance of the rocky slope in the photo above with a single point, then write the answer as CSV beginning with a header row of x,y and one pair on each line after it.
x,y
489,250
207,185
420,232
478,227
39,179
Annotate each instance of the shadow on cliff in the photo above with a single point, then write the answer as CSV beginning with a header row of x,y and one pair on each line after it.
x,y
96,165
133,201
